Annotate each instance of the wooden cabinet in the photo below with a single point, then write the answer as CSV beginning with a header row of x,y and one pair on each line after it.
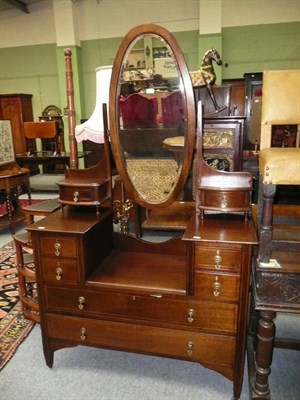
x,y
185,298
17,108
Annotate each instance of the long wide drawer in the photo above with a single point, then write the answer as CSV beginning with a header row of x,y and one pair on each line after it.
x,y
211,316
215,351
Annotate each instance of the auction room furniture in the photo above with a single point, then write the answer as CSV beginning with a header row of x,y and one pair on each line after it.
x,y
184,298
42,131
276,272
49,114
24,259
30,161
13,179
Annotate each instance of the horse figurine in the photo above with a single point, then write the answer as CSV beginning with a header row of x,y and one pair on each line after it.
x,y
205,76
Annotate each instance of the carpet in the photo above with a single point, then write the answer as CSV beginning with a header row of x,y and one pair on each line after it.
x,y
13,327
154,179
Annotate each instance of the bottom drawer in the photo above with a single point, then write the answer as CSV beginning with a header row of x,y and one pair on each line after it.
x,y
215,351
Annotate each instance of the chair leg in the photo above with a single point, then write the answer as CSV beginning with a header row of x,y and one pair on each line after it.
x,y
266,219
26,280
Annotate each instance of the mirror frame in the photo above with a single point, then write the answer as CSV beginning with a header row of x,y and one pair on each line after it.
x,y
117,151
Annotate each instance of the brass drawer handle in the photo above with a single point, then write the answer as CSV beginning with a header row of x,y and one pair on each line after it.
x,y
217,287
190,347
83,334
58,275
57,248
76,196
191,314
81,301
217,260
224,202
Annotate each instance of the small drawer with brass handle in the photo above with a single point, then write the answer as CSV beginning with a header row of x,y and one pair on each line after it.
x,y
221,287
217,257
59,246
60,271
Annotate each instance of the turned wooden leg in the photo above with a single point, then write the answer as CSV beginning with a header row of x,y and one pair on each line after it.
x,y
264,353
10,212
265,233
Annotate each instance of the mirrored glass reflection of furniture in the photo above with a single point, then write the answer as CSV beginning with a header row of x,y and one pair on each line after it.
x,y
100,287
13,179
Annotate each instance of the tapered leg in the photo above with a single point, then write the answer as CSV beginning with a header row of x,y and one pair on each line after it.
x,y
264,354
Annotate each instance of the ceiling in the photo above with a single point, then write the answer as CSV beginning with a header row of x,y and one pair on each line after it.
x,y
22,5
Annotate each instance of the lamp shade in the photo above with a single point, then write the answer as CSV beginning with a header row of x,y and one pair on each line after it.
x,y
92,129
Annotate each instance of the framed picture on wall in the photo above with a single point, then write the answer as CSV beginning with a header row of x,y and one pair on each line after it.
x,y
7,154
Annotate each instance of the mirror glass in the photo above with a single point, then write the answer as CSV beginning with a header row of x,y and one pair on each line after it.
x,y
151,119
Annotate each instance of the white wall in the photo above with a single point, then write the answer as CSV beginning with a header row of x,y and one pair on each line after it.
x,y
113,18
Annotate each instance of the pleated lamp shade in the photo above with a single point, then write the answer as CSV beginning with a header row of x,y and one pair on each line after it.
x,y
92,129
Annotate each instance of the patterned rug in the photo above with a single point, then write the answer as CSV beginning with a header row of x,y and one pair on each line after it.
x,y
154,179
13,327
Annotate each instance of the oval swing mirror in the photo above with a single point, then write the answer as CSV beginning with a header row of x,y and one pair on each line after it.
x,y
152,116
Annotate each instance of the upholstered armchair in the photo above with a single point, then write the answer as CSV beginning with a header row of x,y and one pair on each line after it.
x,y
277,166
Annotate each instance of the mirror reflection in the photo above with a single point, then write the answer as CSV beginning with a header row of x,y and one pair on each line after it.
x,y
152,115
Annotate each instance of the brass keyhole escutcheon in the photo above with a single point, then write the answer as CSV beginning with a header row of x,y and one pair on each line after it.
x,y
57,248
83,333
58,275
81,301
191,314
76,196
217,287
217,260
190,347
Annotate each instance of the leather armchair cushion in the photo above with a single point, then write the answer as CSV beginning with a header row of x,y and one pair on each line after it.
x,y
280,166
281,100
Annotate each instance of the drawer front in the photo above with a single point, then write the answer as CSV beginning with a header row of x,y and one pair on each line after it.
x,y
217,287
76,194
58,245
218,258
218,350
60,271
209,316
218,199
